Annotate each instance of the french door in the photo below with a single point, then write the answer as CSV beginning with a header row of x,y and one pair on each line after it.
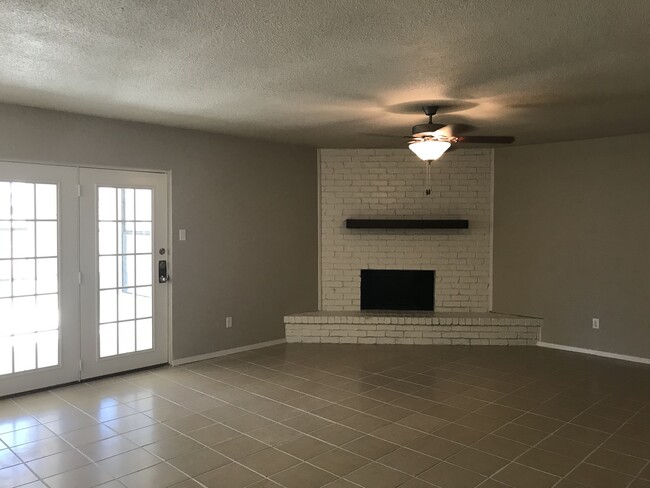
x,y
124,303
80,291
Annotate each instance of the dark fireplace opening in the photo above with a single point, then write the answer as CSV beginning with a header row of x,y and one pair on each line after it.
x,y
396,289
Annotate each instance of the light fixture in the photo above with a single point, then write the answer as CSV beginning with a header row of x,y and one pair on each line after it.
x,y
429,149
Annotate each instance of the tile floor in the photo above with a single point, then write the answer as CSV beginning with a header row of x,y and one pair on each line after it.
x,y
308,416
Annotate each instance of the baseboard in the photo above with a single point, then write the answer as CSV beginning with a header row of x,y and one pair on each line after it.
x,y
604,354
226,352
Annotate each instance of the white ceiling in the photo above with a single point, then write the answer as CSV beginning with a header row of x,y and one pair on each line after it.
x,y
328,73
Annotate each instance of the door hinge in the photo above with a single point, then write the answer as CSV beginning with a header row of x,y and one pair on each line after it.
x,y
79,277
80,365
78,190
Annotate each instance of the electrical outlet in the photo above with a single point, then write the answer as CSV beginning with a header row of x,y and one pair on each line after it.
x,y
595,323
228,322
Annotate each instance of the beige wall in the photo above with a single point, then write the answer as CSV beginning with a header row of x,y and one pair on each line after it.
x,y
572,240
249,207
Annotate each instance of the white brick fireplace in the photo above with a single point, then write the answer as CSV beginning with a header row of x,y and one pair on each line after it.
x,y
390,183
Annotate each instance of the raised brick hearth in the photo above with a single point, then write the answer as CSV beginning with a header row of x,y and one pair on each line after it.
x,y
412,328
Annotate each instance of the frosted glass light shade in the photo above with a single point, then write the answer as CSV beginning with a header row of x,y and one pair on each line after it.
x,y
429,150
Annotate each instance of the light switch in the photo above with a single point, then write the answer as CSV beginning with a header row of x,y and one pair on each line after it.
x,y
182,234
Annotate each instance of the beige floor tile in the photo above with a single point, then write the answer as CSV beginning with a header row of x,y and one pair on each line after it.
x,y
597,477
306,423
239,447
213,434
436,447
447,475
173,447
303,476
85,477
128,462
87,435
305,447
478,461
106,448
232,475
189,423
376,475
269,461
370,447
199,462
15,475
159,476
520,476
26,435
408,461
339,462
615,461
336,434
38,449
58,463
547,461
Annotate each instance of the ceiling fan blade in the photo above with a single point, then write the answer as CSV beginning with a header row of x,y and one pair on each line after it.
x,y
486,139
386,135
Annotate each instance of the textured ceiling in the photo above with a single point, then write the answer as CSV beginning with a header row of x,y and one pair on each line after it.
x,y
334,73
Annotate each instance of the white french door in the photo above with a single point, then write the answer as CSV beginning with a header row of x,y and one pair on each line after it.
x,y
124,299
68,234
39,292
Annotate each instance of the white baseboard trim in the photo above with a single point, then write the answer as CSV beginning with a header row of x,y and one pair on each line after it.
x,y
593,352
226,352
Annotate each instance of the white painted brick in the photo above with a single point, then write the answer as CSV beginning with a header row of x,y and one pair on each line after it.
x,y
357,183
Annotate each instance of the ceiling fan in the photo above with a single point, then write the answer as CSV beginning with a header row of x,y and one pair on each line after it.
x,y
429,141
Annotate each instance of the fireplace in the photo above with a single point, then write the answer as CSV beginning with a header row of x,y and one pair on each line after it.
x,y
393,289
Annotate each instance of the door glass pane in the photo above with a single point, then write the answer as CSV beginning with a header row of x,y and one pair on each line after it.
x,y
126,304
46,204
143,237
126,237
5,239
143,205
126,337
107,238
22,201
126,204
46,241
46,275
5,278
106,203
144,302
107,272
47,315
107,340
125,270
24,352
144,334
5,200
47,348
107,306
24,277
23,238
143,269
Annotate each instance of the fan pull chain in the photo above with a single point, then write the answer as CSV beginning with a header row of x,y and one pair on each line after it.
x,y
428,176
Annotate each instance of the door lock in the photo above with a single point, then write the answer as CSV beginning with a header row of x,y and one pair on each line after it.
x,y
163,277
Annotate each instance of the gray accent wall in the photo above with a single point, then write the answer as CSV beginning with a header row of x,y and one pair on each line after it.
x,y
249,208
572,240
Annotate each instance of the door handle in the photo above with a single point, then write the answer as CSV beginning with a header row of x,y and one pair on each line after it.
x,y
163,277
